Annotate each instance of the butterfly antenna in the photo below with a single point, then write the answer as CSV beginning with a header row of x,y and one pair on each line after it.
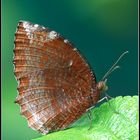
x,y
114,66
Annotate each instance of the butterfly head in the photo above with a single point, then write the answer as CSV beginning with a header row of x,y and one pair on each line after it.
x,y
102,86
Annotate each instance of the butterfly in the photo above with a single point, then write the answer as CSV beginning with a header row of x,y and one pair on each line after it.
x,y
55,83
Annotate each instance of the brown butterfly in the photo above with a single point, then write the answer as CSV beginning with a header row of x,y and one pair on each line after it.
x,y
56,84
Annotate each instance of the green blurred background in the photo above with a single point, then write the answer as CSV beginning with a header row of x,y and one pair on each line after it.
x,y
100,29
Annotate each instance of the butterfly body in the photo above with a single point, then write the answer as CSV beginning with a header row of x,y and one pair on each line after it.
x,y
56,85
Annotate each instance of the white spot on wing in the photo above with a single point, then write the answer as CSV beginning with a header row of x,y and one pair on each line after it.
x,y
52,35
71,62
63,90
30,28
75,49
36,25
66,41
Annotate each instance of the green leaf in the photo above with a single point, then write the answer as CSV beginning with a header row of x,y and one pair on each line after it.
x,y
113,120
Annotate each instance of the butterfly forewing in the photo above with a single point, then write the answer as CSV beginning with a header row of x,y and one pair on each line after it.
x,y
55,82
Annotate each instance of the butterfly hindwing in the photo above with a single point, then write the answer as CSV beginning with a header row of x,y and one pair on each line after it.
x,y
55,82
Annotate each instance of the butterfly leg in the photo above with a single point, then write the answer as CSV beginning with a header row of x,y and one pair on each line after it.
x,y
90,119
89,113
108,96
107,99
